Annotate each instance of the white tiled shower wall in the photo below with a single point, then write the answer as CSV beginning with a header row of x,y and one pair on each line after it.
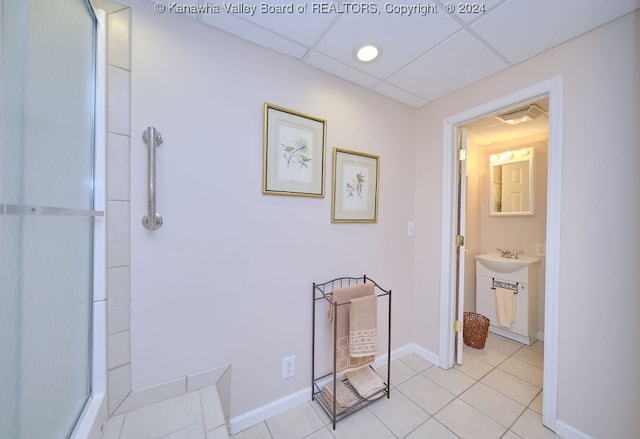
x,y
120,397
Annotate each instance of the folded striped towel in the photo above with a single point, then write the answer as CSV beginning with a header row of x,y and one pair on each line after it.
x,y
345,397
366,382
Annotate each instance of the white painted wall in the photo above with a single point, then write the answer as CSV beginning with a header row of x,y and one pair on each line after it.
x,y
599,390
227,278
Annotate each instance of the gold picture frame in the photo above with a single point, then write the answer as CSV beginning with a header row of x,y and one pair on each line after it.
x,y
355,187
293,153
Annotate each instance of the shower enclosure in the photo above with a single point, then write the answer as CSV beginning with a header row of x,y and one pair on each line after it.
x,y
47,95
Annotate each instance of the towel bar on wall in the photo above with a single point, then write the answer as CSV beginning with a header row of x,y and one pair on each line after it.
x,y
152,138
502,284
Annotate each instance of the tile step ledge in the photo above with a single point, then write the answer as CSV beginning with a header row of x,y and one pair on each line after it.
x,y
195,406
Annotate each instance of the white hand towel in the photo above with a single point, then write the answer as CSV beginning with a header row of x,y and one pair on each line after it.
x,y
505,306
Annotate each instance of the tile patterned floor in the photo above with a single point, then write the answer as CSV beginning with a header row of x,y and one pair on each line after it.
x,y
496,393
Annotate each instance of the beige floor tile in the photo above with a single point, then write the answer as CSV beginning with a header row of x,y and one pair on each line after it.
x,y
474,368
113,427
494,404
326,419
425,393
398,413
468,422
258,431
502,344
530,356
432,429
525,371
452,379
416,362
296,423
195,431
529,426
487,355
211,408
362,424
496,387
536,405
163,417
323,433
218,433
537,346
511,386
400,372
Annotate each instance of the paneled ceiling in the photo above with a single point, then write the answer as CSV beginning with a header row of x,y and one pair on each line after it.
x,y
427,52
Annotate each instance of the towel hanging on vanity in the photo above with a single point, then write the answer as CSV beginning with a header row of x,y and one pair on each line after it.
x,y
505,306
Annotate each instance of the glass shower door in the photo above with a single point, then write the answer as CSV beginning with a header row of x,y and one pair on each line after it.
x,y
46,214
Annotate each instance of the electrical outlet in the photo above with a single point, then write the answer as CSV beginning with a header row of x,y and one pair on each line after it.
x,y
288,367
540,249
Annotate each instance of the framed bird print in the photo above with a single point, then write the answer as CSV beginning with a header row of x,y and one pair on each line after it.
x,y
293,153
355,187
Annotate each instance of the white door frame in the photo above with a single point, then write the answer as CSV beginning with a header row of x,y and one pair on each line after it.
x,y
552,88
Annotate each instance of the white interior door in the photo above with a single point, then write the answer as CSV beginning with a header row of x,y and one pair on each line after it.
x,y
515,187
460,247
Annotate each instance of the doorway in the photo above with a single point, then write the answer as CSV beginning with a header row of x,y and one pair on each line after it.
x,y
448,300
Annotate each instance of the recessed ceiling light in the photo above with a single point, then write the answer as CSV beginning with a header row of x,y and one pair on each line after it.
x,y
366,53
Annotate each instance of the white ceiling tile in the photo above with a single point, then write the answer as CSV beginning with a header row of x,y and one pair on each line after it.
x,y
469,12
458,62
305,28
400,95
255,34
400,38
520,29
424,55
334,67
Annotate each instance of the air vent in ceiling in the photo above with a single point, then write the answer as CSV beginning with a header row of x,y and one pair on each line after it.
x,y
522,114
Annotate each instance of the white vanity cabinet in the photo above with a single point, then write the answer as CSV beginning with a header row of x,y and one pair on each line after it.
x,y
524,277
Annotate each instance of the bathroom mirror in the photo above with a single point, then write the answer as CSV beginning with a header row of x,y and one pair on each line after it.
x,y
511,176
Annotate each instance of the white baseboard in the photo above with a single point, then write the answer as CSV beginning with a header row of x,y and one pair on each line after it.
x,y
262,413
568,432
281,405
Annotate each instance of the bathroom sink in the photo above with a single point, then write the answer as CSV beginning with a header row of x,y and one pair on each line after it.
x,y
505,265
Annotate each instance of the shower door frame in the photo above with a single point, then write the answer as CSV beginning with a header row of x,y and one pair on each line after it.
x,y
89,414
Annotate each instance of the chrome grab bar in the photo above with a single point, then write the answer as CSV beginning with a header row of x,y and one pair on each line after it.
x,y
152,220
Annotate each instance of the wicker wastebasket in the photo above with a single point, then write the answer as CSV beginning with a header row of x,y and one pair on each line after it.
x,y
475,329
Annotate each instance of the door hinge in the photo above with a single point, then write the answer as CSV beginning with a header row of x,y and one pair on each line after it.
x,y
457,326
459,240
462,154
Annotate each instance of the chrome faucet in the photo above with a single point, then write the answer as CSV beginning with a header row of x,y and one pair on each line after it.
x,y
509,254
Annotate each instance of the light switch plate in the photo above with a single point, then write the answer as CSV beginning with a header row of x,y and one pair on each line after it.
x,y
411,228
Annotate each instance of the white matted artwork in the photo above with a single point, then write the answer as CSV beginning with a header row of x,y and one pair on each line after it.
x,y
355,187
293,153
